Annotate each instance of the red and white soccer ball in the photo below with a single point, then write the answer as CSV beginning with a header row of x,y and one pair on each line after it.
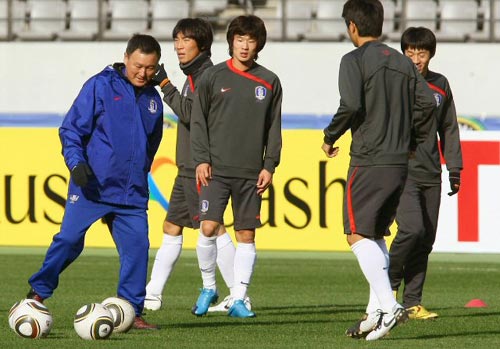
x,y
93,321
30,319
123,313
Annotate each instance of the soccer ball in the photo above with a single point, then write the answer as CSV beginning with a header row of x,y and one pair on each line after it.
x,y
123,313
30,319
93,321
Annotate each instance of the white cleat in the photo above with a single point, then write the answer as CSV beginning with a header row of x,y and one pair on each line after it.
x,y
152,302
227,303
364,326
387,321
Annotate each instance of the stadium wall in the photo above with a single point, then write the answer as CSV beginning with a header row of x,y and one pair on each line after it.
x,y
303,209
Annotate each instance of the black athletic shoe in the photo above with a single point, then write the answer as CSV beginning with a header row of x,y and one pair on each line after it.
x,y
33,295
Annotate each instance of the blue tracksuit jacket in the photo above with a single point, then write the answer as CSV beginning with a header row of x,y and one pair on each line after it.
x,y
118,145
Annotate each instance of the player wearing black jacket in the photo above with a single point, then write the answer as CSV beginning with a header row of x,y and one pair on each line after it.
x,y
236,143
418,210
192,42
384,102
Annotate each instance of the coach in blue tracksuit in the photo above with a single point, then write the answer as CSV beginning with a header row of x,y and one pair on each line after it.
x,y
109,138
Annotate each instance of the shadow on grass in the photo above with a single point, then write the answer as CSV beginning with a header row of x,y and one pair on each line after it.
x,y
257,321
496,314
445,335
313,309
271,316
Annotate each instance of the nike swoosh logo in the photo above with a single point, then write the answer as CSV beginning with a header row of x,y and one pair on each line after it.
x,y
244,283
388,324
222,90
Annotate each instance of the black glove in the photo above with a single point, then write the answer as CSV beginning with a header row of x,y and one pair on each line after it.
x,y
160,77
454,183
80,174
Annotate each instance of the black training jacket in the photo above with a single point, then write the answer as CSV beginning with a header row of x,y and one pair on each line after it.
x,y
426,166
385,102
236,120
181,103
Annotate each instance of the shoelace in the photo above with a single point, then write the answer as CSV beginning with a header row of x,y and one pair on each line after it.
x,y
380,318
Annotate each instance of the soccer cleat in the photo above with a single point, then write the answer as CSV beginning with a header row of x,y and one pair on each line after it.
x,y
152,302
141,324
207,297
33,295
238,309
227,303
364,325
418,312
387,321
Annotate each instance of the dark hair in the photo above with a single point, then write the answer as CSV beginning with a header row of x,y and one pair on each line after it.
x,y
368,15
419,38
249,25
197,29
144,43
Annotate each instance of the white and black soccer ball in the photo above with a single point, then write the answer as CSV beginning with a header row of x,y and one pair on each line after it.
x,y
29,318
93,321
123,313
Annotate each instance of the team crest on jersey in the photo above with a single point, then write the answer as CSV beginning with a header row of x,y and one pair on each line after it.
x,y
73,198
260,93
204,206
153,107
438,99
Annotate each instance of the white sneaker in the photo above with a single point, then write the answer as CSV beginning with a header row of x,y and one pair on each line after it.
x,y
370,322
387,321
152,302
364,326
227,303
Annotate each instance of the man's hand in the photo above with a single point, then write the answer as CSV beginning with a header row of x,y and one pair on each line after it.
x,y
160,77
264,181
80,174
454,178
330,150
203,174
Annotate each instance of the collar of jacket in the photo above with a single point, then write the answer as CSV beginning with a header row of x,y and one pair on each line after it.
x,y
195,64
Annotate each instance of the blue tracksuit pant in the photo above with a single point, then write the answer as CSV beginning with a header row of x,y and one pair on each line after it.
x,y
129,229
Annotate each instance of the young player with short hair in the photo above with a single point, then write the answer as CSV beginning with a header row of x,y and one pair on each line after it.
x,y
236,143
384,100
418,210
193,39
109,138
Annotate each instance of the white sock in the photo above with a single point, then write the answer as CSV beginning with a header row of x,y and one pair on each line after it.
x,y
385,251
206,249
373,303
374,266
165,260
244,262
225,259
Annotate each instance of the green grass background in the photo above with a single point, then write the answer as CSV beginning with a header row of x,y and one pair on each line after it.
x,y
302,300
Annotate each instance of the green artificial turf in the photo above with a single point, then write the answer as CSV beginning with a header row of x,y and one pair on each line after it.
x,y
302,300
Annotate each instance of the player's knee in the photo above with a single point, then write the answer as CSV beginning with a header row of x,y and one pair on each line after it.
x,y
245,236
171,229
209,228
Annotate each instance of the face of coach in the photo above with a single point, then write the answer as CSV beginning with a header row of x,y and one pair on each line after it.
x,y
140,67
